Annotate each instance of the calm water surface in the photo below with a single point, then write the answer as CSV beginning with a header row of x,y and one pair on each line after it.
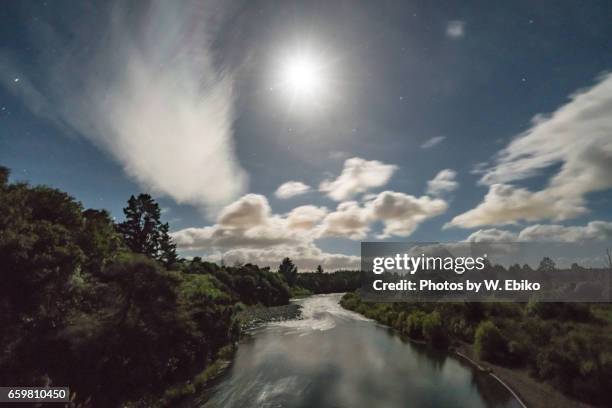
x,y
336,358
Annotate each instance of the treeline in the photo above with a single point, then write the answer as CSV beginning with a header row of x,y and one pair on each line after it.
x,y
109,309
568,345
320,282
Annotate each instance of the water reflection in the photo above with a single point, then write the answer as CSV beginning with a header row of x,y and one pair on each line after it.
x,y
335,358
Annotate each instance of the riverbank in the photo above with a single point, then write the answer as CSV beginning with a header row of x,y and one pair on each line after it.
x,y
430,327
533,393
255,316
249,318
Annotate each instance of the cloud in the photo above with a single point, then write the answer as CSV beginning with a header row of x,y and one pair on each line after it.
x,y
576,137
247,231
306,257
350,220
506,204
443,182
305,217
247,222
492,235
250,231
455,29
291,189
402,213
593,231
144,87
434,141
358,176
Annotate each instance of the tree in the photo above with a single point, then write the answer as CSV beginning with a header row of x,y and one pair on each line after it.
x,y
489,342
143,231
167,248
547,265
288,270
319,269
4,175
99,240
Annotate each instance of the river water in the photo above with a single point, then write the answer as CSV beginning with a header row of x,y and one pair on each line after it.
x,y
337,358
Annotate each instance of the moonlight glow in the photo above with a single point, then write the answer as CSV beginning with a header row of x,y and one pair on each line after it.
x,y
303,77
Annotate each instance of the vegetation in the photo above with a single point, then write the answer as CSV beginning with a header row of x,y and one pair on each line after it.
x,y
320,282
110,309
288,270
568,345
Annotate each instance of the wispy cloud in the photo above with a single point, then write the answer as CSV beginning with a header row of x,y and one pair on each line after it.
x,y
434,141
593,231
145,88
577,136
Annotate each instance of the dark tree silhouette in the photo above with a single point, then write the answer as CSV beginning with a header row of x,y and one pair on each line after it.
x,y
167,247
288,270
547,265
143,231
319,269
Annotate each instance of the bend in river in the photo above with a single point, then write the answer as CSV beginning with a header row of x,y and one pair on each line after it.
x,y
337,358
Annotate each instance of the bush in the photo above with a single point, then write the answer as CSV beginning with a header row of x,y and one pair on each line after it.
x,y
413,326
489,343
577,312
433,330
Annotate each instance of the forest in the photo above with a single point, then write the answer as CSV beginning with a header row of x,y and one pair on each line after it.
x,y
110,309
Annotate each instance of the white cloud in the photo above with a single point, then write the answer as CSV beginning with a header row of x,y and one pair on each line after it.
x,y
306,257
358,176
455,29
578,137
402,213
492,235
248,231
593,231
148,92
291,189
305,217
245,223
443,182
350,220
506,204
434,141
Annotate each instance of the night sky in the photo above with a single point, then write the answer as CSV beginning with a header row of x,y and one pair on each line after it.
x,y
407,120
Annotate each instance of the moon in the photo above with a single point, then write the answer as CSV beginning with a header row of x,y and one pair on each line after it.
x,y
303,76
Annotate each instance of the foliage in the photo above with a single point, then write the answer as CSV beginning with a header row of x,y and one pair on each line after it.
x,y
288,270
143,231
84,305
568,345
339,281
489,342
433,330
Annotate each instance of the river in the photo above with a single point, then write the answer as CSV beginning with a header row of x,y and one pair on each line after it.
x,y
337,358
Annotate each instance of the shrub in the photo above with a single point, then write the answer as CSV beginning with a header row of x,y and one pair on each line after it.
x,y
489,342
413,325
433,330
